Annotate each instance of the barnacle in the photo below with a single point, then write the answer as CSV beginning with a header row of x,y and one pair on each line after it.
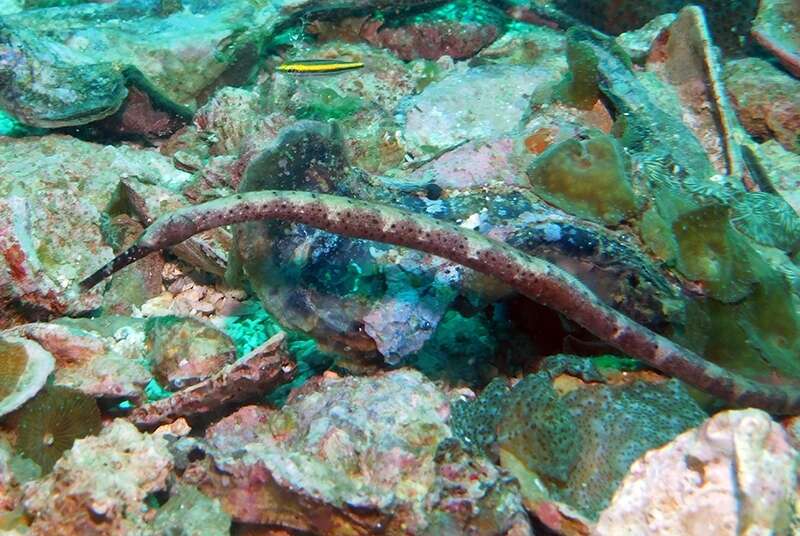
x,y
51,422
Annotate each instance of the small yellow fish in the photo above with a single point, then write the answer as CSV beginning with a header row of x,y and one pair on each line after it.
x,y
318,66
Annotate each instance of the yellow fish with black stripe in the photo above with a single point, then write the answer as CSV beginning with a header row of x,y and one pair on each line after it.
x,y
318,67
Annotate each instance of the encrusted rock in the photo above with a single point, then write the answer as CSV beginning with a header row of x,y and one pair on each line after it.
x,y
185,351
637,43
360,453
685,59
99,358
190,513
735,474
100,485
228,119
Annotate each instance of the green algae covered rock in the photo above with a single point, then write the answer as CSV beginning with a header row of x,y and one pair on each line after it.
x,y
586,178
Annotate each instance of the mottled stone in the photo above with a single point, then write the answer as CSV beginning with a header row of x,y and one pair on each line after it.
x,y
190,513
228,119
685,59
470,165
135,284
140,117
458,29
100,485
637,43
255,375
734,474
88,54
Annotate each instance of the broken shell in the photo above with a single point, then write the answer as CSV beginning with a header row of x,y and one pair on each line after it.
x,y
38,364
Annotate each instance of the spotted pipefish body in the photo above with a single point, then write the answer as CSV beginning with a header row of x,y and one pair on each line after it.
x,y
534,277
319,66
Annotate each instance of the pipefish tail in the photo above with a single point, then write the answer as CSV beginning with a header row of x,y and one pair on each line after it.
x,y
319,66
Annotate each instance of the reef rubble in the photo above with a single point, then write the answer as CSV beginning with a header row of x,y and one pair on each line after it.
x,y
521,267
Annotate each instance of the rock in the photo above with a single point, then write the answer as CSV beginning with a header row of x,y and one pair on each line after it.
x,y
90,52
685,59
190,513
99,360
783,171
472,164
362,452
138,116
776,29
25,368
10,492
54,193
101,484
228,119
637,43
730,20
255,375
477,104
766,99
46,84
569,433
459,30
734,474
132,286
185,351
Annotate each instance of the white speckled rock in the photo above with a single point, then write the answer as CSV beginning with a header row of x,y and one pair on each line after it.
x,y
734,475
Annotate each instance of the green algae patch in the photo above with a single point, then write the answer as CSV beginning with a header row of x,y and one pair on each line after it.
x,y
586,178
328,104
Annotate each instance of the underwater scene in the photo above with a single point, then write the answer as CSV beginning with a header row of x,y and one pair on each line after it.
x,y
399,267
